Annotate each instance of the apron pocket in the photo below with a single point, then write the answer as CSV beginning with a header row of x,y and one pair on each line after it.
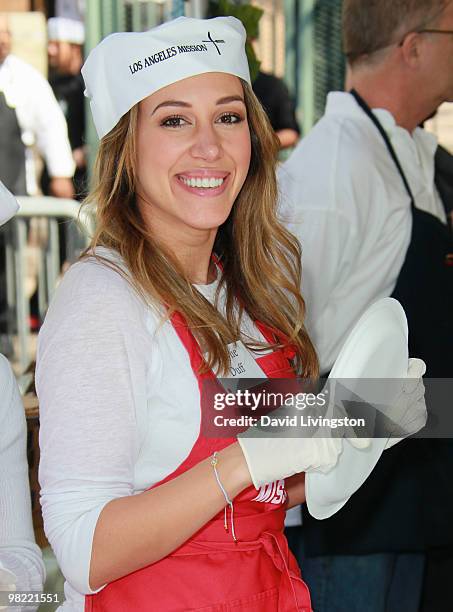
x,y
265,601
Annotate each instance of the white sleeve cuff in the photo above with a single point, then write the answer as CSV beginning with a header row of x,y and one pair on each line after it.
x,y
72,542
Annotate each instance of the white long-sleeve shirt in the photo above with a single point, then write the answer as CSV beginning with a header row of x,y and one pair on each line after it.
x,y
18,552
119,407
40,119
343,198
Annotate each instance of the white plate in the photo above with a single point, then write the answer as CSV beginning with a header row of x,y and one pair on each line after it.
x,y
376,348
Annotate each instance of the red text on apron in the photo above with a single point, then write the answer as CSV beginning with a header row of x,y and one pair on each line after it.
x,y
210,572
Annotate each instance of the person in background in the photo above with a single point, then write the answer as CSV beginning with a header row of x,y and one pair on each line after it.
x,y
21,565
30,115
65,53
359,192
30,120
273,94
270,90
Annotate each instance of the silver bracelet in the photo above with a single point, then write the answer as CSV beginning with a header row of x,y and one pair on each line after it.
x,y
214,462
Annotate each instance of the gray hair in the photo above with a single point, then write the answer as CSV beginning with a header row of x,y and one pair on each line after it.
x,y
371,25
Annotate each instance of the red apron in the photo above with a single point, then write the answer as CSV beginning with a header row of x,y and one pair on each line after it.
x,y
210,572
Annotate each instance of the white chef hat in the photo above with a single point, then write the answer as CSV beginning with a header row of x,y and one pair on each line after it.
x,y
127,67
8,204
66,30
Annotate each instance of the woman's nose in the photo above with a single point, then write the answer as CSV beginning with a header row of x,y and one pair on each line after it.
x,y
207,144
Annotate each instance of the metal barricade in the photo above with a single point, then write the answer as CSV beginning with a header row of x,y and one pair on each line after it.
x,y
77,225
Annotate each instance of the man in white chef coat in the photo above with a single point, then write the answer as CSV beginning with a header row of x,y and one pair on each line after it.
x,y
359,192
29,116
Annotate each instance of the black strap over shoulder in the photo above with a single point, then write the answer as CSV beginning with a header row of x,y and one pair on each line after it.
x,y
366,109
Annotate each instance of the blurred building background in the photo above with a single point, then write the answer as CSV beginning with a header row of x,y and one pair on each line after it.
x,y
300,40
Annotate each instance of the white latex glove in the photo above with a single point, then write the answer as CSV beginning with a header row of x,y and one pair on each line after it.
x,y
410,404
270,459
276,457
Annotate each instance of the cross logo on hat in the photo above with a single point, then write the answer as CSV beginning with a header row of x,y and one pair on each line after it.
x,y
214,42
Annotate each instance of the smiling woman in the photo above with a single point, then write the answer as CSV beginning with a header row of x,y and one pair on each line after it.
x,y
198,145
189,265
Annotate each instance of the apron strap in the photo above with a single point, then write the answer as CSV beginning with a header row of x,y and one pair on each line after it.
x,y
273,336
367,110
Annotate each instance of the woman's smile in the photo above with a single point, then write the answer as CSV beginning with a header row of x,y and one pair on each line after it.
x,y
206,183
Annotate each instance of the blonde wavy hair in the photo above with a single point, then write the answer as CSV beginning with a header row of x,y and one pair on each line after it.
x,y
260,260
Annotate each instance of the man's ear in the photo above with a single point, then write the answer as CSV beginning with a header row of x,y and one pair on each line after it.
x,y
411,48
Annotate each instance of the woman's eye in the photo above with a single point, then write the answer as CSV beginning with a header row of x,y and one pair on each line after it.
x,y
230,118
173,122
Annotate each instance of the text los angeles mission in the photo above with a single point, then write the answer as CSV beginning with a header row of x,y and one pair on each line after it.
x,y
166,54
